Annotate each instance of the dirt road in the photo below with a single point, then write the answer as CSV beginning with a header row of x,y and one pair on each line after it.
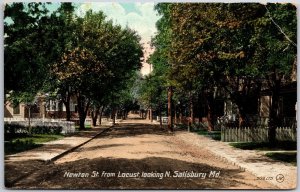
x,y
134,155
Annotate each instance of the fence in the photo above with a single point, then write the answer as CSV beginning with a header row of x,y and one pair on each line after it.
x,y
256,134
68,126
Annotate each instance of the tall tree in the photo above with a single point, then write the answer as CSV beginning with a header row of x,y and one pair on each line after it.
x,y
275,53
211,47
25,57
104,56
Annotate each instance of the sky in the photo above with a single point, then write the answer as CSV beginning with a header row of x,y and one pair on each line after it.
x,y
138,16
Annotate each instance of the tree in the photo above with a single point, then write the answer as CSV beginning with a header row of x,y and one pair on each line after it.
x,y
275,53
104,56
63,39
35,39
210,50
220,47
25,51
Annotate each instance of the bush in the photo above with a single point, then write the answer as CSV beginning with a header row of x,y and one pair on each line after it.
x,y
46,130
12,130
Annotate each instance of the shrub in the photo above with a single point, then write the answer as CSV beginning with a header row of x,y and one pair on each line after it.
x,y
46,130
12,130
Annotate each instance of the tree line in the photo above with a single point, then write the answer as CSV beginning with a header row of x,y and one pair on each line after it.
x,y
235,50
87,57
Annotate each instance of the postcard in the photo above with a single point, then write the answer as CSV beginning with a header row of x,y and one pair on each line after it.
x,y
150,95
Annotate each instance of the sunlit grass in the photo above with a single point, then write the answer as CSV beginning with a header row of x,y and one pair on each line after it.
x,y
24,143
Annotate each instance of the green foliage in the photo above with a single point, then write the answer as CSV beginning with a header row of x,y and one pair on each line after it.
x,y
152,92
55,130
275,51
17,146
28,48
12,130
24,143
88,56
237,48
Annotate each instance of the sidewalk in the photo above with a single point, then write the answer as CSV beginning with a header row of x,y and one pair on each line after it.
x,y
250,160
54,149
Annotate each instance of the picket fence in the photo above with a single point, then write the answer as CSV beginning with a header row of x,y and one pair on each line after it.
x,y
67,126
256,134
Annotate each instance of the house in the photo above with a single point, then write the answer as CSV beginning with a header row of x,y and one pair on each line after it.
x,y
41,108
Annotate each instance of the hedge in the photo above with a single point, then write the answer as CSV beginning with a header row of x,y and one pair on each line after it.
x,y
12,129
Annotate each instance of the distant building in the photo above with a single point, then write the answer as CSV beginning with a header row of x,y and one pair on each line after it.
x,y
52,108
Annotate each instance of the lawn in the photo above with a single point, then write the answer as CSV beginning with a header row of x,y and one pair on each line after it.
x,y
265,146
288,157
289,146
23,143
216,135
86,127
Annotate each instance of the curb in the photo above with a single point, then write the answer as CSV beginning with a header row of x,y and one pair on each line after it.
x,y
74,148
9,184
242,167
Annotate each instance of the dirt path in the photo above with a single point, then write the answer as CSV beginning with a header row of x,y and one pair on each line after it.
x,y
151,159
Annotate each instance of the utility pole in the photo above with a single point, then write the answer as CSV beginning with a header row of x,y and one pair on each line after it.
x,y
150,110
170,120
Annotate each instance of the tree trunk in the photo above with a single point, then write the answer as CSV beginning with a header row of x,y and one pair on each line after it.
x,y
100,115
81,122
242,116
160,119
68,111
150,114
82,110
29,118
274,113
170,120
66,100
175,114
180,114
209,112
180,117
113,116
192,118
95,114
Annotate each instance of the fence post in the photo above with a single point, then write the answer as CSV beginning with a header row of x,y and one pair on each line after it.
x,y
225,133
230,134
248,134
237,133
224,136
221,134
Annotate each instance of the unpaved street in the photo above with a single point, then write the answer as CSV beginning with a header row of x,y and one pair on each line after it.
x,y
144,154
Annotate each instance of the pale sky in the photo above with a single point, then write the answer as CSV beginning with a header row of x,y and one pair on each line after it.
x,y
138,16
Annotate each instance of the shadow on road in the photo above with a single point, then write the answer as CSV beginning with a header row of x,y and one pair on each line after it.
x,y
132,129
